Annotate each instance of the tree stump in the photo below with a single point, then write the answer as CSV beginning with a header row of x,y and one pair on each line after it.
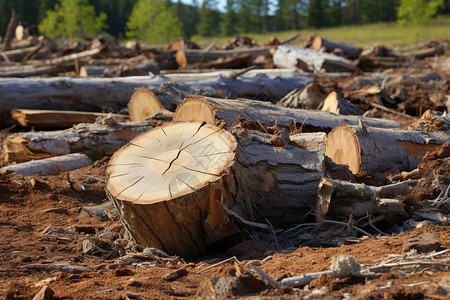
x,y
169,184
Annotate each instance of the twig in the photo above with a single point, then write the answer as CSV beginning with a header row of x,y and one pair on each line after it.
x,y
240,72
90,177
373,226
259,225
219,263
392,111
277,244
344,224
272,281
303,279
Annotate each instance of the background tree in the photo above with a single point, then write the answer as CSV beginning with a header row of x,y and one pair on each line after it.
x,y
228,21
189,16
152,22
118,12
209,19
73,18
418,12
318,13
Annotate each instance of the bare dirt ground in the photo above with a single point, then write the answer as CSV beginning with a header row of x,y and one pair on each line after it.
x,y
44,229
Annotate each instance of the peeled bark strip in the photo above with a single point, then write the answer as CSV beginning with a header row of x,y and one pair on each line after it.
x,y
196,110
143,104
55,118
50,166
339,199
169,184
377,150
230,109
96,94
295,56
335,104
348,50
92,139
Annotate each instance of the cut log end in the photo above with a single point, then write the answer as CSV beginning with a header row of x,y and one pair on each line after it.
x,y
195,109
342,146
181,59
168,185
331,103
169,162
143,104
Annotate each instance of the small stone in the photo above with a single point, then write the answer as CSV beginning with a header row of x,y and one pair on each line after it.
x,y
175,275
124,272
423,243
46,293
134,282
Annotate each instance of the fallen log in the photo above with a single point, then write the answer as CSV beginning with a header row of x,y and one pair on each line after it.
x,y
10,30
335,104
190,56
93,139
348,50
204,169
374,150
230,109
99,94
49,166
340,200
55,118
310,60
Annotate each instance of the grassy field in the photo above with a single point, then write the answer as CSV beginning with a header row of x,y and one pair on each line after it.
x,y
372,34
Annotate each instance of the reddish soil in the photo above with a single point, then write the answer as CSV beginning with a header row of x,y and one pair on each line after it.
x,y
43,227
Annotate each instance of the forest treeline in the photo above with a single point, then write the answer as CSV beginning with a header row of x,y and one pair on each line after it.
x,y
205,18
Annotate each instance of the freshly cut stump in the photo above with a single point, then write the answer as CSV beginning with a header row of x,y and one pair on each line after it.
x,y
143,104
195,109
167,184
335,104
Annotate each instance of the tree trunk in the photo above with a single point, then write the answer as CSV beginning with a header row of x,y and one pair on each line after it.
x,y
295,56
170,183
230,109
376,150
349,51
10,30
172,199
99,94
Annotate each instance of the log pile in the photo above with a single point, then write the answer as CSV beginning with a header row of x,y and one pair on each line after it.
x,y
203,156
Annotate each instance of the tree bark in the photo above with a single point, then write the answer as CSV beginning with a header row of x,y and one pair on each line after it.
x,y
230,109
99,94
374,150
310,97
294,57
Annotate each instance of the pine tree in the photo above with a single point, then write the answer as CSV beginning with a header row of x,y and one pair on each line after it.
x,y
228,22
73,18
208,25
152,22
318,13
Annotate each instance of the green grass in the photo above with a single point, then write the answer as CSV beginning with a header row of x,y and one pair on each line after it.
x,y
390,34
